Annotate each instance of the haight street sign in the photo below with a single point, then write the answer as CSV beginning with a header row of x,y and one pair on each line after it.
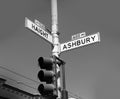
x,y
38,30
80,42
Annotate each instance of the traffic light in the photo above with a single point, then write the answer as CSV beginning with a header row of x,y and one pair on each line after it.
x,y
48,76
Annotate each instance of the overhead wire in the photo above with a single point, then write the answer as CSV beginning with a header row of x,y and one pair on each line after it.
x,y
19,74
73,95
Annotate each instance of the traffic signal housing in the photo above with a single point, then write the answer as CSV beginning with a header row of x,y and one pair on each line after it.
x,y
47,75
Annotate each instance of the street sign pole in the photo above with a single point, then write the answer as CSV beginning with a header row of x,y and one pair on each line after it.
x,y
56,44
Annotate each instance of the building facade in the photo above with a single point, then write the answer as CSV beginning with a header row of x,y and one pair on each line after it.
x,y
10,92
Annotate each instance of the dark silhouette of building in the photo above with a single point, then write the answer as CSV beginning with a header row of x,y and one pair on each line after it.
x,y
10,92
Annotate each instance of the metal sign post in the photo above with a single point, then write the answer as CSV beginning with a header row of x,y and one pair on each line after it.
x,y
56,44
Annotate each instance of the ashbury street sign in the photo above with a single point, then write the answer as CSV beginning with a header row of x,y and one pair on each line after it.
x,y
80,42
38,30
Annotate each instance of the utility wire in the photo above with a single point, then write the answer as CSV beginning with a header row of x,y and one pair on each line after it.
x,y
18,74
73,95
18,82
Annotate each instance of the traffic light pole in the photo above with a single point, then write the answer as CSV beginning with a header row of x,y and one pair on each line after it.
x,y
64,92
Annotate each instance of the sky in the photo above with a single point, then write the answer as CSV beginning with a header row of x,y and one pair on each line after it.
x,y
92,72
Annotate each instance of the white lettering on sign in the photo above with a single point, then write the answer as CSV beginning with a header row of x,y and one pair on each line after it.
x,y
38,30
80,42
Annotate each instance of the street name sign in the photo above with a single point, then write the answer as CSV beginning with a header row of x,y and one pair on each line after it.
x,y
80,42
39,24
38,30
77,36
